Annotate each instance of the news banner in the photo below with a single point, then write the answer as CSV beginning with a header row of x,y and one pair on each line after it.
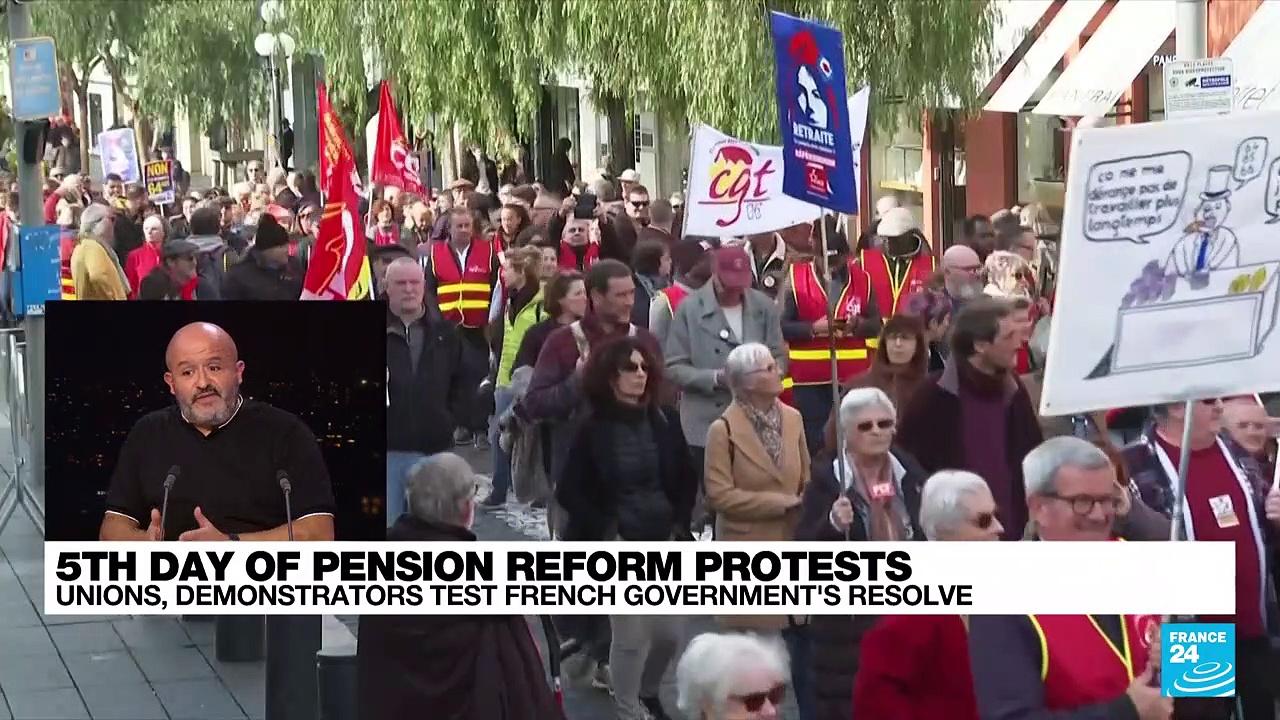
x,y
685,578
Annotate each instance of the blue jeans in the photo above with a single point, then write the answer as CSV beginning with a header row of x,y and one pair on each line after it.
x,y
800,648
398,465
502,399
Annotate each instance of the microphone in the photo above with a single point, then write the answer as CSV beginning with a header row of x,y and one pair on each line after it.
x,y
282,477
169,480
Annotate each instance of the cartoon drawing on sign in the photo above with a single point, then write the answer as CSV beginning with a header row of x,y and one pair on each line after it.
x,y
1207,244
1201,280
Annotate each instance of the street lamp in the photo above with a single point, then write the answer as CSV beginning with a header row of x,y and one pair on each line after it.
x,y
271,46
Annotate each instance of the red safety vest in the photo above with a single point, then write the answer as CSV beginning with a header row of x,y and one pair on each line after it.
x,y
1081,666
890,290
66,246
810,360
464,294
569,259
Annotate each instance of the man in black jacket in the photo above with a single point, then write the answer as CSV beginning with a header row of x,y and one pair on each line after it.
x,y
472,667
266,272
424,378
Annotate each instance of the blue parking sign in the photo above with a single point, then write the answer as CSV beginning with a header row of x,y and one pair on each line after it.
x,y
1198,660
33,76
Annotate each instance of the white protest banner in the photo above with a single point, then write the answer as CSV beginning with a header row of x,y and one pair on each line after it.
x,y
735,188
1168,284
637,578
119,153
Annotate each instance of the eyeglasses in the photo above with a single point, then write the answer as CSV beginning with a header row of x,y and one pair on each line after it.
x,y
866,425
755,701
1211,401
1084,504
633,367
638,204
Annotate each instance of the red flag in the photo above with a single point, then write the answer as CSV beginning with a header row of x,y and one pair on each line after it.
x,y
393,163
338,254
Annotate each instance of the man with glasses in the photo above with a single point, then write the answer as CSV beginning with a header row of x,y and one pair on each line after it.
x,y
977,415
961,275
638,205
1226,499
1068,666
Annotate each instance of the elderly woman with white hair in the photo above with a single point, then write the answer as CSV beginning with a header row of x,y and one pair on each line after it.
x,y
95,267
866,490
757,467
916,667
468,667
732,676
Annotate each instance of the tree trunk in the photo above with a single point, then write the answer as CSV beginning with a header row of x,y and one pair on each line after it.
x,y
622,149
86,139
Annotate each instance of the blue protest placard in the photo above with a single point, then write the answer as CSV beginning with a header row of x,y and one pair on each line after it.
x,y
33,75
41,278
813,115
1198,660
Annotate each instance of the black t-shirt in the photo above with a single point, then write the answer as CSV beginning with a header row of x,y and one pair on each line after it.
x,y
230,474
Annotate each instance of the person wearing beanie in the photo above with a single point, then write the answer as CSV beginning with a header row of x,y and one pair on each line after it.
x,y
267,272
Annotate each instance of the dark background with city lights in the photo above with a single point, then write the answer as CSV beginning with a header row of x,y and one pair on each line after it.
x,y
323,361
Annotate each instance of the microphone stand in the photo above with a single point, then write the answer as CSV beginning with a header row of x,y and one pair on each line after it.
x,y
169,480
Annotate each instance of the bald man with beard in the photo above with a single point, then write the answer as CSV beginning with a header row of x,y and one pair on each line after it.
x,y
227,452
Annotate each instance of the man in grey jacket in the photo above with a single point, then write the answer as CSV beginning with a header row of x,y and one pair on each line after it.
x,y
722,315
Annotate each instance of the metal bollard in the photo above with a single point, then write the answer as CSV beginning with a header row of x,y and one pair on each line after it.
x,y
292,644
239,638
336,676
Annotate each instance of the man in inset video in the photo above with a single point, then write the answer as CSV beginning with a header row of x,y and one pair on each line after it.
x,y
232,460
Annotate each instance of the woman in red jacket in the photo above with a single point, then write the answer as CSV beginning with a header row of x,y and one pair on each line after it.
x,y
916,667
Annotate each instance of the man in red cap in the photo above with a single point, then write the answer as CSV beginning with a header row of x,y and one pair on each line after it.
x,y
712,321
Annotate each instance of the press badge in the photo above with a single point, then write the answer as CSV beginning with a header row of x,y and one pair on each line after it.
x,y
1223,511
880,491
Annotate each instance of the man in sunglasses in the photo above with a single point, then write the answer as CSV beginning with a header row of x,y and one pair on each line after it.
x,y
1072,667
638,205
1226,499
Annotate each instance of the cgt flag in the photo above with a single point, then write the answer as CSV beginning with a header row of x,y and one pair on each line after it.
x,y
817,151
393,163
338,256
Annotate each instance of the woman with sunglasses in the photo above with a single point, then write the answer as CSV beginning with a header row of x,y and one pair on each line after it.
x,y
868,490
628,477
916,667
732,676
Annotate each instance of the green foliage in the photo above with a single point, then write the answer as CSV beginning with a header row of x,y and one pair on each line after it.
x,y
479,62
196,54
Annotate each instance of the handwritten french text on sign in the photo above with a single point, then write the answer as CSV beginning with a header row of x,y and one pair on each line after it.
x,y
812,113
33,76
1198,87
735,188
159,179
1168,285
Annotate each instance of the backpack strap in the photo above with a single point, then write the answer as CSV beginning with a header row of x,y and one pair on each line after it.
x,y
728,433
631,330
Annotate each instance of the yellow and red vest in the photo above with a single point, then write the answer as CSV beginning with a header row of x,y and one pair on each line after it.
x,y
1080,665
463,294
66,246
810,360
891,291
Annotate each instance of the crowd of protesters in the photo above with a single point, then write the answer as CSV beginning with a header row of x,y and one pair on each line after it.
x,y
641,384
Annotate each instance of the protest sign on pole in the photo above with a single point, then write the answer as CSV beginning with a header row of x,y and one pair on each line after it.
x,y
1168,285
735,188
119,153
158,176
813,116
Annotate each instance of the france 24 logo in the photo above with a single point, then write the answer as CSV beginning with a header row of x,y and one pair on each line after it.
x,y
1198,660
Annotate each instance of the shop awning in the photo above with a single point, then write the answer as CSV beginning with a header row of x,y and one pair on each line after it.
x,y
1256,52
1014,21
1096,78
1025,77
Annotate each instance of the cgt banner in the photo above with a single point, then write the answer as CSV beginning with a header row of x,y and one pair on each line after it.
x,y
817,150
735,188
